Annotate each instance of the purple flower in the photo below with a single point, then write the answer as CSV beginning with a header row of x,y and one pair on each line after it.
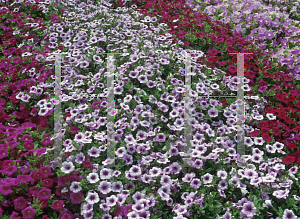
x,y
10,181
213,112
223,184
289,60
138,196
269,34
20,203
123,210
44,194
262,89
295,52
248,209
76,198
28,213
63,180
227,215
117,186
222,193
173,151
260,37
198,163
165,180
275,23
297,198
195,183
26,137
288,214
242,202
5,189
9,171
280,59
23,178
14,215
284,43
297,69
250,37
143,79
161,137
46,171
3,153
92,198
267,21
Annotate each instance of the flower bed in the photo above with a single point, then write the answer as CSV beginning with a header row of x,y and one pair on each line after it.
x,y
150,180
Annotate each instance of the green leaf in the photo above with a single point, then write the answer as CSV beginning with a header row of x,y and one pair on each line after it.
x,y
280,210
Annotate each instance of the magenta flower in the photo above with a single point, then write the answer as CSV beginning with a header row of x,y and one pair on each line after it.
x,y
28,145
23,178
44,194
229,41
9,171
63,180
46,142
17,60
10,181
46,171
262,89
14,215
66,216
28,213
76,198
74,129
222,63
120,211
25,168
26,137
96,105
12,144
232,69
123,210
57,205
3,153
20,203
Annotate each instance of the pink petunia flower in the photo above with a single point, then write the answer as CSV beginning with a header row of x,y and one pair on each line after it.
x,y
44,194
28,213
57,205
76,198
9,171
20,203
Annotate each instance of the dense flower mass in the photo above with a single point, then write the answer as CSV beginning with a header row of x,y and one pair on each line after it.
x,y
194,129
